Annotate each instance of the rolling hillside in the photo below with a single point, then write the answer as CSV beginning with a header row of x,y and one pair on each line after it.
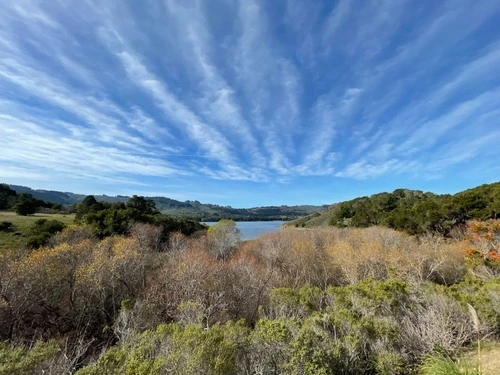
x,y
187,209
412,211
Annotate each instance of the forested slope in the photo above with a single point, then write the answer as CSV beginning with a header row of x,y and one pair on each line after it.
x,y
412,211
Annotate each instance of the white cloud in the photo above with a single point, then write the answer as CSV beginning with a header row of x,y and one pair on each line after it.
x,y
238,91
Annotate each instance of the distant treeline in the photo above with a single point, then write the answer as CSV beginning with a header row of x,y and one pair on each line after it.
x,y
413,211
189,209
24,203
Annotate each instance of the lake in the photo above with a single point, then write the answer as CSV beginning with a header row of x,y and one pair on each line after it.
x,y
250,230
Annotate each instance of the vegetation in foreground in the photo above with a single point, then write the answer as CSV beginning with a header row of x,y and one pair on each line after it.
x,y
321,301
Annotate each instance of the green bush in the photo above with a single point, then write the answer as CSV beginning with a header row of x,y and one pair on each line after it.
x,y
41,231
6,226
269,349
184,351
287,302
484,296
20,360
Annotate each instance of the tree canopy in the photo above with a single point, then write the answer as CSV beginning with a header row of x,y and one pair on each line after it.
x,y
417,212
117,218
7,197
23,204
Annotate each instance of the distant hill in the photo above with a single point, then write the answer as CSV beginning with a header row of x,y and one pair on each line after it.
x,y
60,197
187,209
412,211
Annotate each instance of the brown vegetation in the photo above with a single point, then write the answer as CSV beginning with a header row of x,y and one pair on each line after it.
x,y
314,281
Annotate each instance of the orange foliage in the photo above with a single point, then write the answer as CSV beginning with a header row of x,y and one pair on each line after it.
x,y
484,240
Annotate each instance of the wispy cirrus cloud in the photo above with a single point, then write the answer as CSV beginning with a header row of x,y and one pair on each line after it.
x,y
249,92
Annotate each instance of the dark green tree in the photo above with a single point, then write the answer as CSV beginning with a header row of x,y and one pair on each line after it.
x,y
25,205
7,197
142,205
87,205
41,231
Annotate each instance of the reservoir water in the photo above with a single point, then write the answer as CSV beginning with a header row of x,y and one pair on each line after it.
x,y
250,230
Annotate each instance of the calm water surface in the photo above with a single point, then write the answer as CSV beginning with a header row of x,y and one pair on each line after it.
x,y
250,230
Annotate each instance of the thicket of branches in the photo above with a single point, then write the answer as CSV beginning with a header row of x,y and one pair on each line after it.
x,y
322,301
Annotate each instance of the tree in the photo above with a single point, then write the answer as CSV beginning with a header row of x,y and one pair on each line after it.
x,y
142,205
223,237
88,204
41,231
7,196
25,205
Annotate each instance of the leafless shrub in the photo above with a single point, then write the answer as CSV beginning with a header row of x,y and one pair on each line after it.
x,y
438,261
148,236
178,242
73,353
438,322
251,282
73,235
223,239
194,275
484,272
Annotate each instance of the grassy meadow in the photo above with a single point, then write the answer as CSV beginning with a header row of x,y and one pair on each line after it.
x,y
17,236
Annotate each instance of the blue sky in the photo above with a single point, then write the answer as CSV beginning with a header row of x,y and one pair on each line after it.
x,y
250,102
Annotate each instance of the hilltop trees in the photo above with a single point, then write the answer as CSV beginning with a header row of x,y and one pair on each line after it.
x,y
416,212
142,205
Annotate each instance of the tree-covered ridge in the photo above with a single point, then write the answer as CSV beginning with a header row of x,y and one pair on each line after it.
x,y
412,211
188,209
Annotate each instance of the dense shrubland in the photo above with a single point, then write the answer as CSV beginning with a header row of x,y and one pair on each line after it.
x,y
299,301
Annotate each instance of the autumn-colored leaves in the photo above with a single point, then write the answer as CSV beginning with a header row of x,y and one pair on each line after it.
x,y
484,240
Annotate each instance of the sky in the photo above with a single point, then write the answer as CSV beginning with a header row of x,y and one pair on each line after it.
x,y
249,103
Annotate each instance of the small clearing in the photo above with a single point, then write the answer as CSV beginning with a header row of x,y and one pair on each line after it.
x,y
490,358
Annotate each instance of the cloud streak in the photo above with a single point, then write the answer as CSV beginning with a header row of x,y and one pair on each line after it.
x,y
248,91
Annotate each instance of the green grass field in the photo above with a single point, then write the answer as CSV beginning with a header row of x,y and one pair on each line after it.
x,y
22,224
